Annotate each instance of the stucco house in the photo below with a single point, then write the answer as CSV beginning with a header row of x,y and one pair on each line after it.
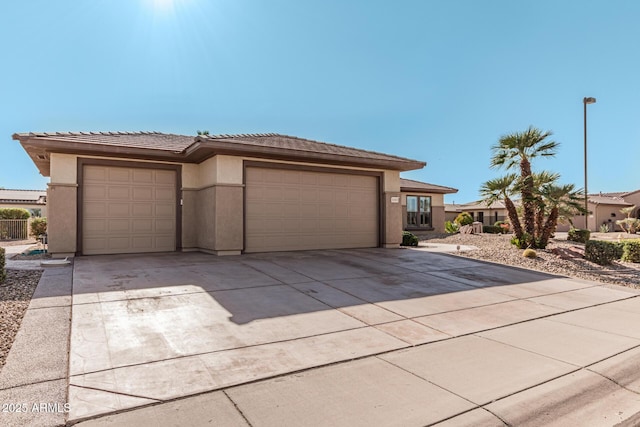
x,y
423,206
479,210
35,201
604,208
116,192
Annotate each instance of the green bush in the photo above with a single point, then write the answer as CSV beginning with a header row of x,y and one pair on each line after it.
x,y
631,251
578,235
14,213
504,226
451,227
3,270
409,239
522,243
602,252
529,253
38,226
492,229
464,219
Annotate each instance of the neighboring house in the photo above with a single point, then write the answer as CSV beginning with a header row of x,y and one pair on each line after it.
x,y
423,205
479,211
604,208
116,192
35,201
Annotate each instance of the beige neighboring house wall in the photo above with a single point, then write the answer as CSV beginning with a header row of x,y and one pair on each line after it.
x,y
604,208
479,210
31,200
210,200
412,188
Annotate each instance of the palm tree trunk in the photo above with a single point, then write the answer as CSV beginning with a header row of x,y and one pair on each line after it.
x,y
513,217
539,220
549,227
528,203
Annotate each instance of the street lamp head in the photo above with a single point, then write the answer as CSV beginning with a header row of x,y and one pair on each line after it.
x,y
589,100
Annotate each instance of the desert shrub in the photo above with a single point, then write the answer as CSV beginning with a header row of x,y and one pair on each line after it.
x,y
578,235
3,270
409,239
504,226
529,253
604,228
38,226
464,219
602,252
631,251
522,243
491,229
14,213
451,227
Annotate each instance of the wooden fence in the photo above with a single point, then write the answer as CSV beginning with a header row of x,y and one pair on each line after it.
x,y
14,229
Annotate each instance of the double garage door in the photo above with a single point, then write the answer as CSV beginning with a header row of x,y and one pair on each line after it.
x,y
133,210
128,210
299,209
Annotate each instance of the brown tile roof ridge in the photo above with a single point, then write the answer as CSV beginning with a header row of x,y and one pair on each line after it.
x,y
407,183
338,149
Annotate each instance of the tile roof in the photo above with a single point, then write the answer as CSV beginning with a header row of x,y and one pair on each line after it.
x,y
604,200
23,196
197,148
432,188
148,140
294,143
478,205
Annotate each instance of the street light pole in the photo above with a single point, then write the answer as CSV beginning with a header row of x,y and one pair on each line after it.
x,y
586,101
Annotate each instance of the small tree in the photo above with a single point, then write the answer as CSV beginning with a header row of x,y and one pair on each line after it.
x,y
629,224
38,226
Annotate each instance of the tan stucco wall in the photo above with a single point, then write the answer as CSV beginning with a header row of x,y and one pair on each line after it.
x,y
62,220
392,234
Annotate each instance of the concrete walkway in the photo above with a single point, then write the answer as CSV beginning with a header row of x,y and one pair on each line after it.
x,y
343,338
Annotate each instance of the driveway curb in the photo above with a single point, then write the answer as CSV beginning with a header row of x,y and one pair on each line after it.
x,y
35,377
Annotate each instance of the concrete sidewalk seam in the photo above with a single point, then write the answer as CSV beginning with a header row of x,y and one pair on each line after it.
x,y
118,393
235,405
613,381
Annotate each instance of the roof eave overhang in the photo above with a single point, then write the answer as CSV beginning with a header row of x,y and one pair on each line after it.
x,y
425,190
39,150
202,150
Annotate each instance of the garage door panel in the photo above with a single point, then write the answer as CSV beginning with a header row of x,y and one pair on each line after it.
x,y
118,226
142,176
297,210
165,193
142,193
125,210
118,209
119,193
94,192
119,174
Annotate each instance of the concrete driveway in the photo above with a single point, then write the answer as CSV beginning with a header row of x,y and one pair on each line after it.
x,y
436,337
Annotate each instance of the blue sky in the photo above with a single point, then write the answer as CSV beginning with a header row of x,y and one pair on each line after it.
x,y
437,81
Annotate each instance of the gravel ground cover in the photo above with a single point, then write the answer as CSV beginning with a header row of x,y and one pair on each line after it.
x,y
561,257
15,296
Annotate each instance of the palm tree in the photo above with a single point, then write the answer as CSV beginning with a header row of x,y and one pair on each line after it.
x,y
557,199
517,150
541,179
501,189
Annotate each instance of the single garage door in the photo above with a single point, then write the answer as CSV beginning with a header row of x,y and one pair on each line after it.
x,y
298,210
128,210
